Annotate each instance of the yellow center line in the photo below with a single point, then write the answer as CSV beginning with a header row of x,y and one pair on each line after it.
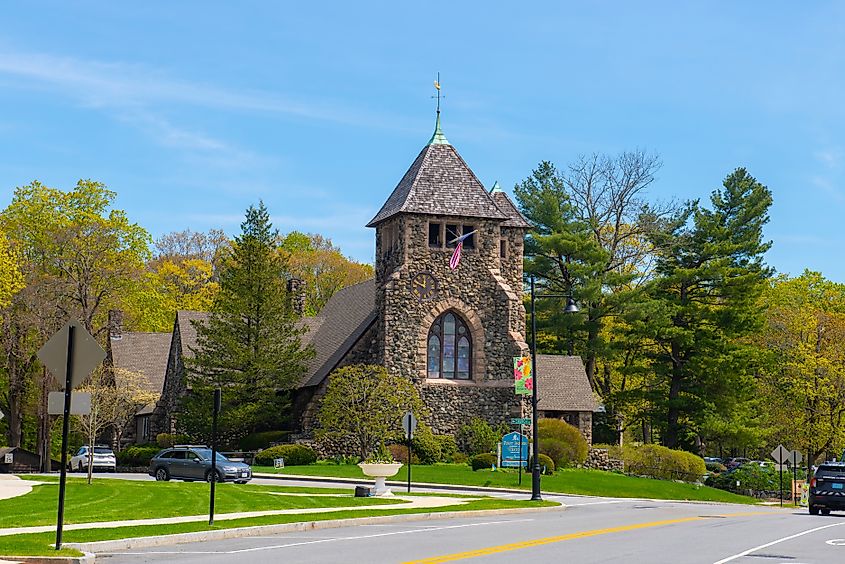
x,y
570,536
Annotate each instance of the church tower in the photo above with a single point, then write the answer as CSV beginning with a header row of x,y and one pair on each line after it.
x,y
453,332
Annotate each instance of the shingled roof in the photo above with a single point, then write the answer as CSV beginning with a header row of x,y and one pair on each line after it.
x,y
507,207
439,183
562,384
144,354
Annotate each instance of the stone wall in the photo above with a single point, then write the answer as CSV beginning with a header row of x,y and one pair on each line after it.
x,y
599,459
454,404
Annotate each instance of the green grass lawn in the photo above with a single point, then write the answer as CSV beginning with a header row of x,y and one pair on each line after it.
x,y
39,543
114,499
573,481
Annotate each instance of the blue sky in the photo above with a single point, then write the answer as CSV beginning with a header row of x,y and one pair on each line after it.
x,y
192,111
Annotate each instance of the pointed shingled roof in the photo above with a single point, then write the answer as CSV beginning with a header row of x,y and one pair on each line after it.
x,y
439,183
506,205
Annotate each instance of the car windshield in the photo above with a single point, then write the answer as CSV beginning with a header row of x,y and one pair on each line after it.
x,y
831,470
205,453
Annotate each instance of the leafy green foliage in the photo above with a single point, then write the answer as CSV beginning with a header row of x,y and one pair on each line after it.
x,y
751,476
448,447
562,442
483,461
547,465
294,455
250,346
137,455
363,407
657,461
478,436
262,439
167,440
426,446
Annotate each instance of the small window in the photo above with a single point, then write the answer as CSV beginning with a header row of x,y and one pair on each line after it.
x,y
434,235
503,248
469,242
452,233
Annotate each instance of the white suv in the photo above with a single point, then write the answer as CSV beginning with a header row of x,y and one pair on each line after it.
x,y
103,459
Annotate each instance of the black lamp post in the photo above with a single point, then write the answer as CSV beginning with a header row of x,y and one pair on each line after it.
x,y
570,308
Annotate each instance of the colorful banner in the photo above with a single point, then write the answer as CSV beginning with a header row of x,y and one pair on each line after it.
x,y
522,375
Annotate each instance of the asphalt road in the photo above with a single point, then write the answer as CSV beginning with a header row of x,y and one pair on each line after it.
x,y
589,530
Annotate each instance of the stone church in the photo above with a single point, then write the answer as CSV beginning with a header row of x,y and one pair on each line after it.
x,y
453,332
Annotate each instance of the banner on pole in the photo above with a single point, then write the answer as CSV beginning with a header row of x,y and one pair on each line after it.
x,y
522,375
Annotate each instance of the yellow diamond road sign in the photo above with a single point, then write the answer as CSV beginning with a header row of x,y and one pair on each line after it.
x,y
87,354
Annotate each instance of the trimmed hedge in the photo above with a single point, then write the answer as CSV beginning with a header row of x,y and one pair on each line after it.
x,y
564,444
138,455
294,455
167,440
656,461
263,439
483,461
546,464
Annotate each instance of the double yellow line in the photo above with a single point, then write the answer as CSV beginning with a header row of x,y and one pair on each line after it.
x,y
570,536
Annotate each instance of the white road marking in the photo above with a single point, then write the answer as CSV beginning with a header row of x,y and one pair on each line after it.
x,y
836,542
774,542
597,503
324,540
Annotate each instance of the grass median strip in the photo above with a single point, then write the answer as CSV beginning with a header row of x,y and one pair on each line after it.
x,y
39,543
566,481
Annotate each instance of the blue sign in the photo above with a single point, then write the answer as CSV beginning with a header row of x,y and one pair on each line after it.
x,y
512,454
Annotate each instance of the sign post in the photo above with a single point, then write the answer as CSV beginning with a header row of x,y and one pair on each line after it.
x,y
409,424
70,354
781,456
213,476
794,460
520,421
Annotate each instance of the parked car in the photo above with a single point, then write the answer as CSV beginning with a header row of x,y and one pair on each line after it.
x,y
193,462
736,462
103,459
827,489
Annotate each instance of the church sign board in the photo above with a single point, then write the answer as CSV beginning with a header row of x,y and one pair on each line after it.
x,y
522,375
514,450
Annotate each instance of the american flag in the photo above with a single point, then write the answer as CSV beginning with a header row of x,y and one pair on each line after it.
x,y
456,255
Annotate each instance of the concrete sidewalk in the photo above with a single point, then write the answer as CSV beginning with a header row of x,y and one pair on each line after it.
x,y
12,486
413,502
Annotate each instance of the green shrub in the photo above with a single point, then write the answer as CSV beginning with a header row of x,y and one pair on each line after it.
x,y
751,476
556,450
485,460
294,455
568,438
547,465
657,461
167,440
479,437
263,439
715,467
137,455
400,453
448,447
460,458
426,447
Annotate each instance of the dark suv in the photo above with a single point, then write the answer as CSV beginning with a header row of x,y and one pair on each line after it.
x,y
827,488
193,462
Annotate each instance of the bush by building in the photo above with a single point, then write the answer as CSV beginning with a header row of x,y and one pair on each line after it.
x,y
478,436
167,440
656,461
294,455
485,460
263,439
547,465
137,455
564,444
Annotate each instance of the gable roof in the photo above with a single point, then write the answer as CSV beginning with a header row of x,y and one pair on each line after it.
x,y
562,384
142,353
504,203
439,182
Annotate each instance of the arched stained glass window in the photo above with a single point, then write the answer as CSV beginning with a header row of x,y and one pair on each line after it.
x,y
449,348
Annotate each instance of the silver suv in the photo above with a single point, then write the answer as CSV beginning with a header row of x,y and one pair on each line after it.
x,y
193,462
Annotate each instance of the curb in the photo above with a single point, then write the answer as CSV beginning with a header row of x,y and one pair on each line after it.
x,y
364,482
86,558
240,532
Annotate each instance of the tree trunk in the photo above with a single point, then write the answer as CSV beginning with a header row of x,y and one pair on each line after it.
x,y
673,412
42,440
17,387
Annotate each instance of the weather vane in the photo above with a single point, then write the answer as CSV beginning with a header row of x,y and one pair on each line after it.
x,y
437,86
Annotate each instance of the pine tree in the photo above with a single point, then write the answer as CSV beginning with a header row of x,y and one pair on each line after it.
x,y
250,346
703,305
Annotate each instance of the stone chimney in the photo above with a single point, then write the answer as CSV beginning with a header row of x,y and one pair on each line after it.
x,y
115,324
296,294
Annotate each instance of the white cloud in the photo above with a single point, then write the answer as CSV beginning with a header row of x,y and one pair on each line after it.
x,y
831,157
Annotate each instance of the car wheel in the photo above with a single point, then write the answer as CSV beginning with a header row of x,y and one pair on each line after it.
x,y
162,475
825,511
212,475
79,468
814,510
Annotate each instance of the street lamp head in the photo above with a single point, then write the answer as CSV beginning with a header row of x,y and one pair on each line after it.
x,y
570,306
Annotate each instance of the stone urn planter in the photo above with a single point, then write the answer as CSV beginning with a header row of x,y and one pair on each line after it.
x,y
380,471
